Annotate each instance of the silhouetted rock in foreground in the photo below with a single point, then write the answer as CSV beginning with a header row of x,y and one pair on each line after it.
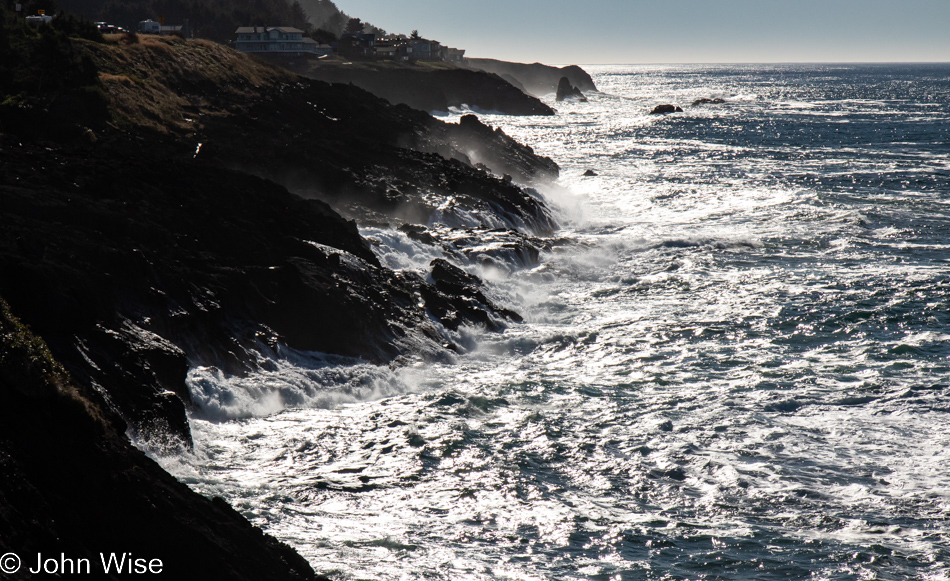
x,y
665,109
566,91
72,484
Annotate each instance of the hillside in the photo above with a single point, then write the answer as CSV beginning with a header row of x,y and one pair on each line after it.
x,y
183,115
212,19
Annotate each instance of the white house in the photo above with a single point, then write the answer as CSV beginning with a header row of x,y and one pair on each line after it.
x,y
39,19
276,39
150,27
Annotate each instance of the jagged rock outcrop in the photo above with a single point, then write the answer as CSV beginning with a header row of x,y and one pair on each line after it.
x,y
566,91
72,484
148,251
502,155
458,297
665,110
149,267
503,249
536,78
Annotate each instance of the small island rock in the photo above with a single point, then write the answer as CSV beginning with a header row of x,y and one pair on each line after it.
x,y
705,101
567,91
664,109
590,173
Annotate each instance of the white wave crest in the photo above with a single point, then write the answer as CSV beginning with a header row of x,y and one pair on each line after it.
x,y
292,380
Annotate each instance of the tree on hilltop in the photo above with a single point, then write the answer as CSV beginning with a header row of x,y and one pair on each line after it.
x,y
353,26
299,16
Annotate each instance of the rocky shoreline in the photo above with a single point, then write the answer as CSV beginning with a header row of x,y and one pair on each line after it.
x,y
212,211
74,488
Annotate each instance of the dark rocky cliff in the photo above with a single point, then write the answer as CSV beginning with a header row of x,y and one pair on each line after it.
x,y
168,232
161,246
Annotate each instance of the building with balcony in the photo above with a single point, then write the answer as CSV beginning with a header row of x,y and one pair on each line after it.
x,y
277,39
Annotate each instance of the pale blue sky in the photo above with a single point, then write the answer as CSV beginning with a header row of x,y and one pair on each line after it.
x,y
675,31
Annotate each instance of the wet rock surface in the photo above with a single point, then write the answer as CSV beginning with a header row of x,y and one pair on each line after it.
x,y
503,249
708,101
72,484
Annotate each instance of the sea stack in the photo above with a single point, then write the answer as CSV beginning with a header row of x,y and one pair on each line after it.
x,y
567,91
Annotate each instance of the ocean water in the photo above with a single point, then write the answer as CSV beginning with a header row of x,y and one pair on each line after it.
x,y
739,368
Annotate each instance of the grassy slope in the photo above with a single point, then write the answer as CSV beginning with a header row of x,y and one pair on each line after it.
x,y
153,83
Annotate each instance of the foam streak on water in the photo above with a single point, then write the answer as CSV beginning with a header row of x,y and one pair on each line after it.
x,y
740,371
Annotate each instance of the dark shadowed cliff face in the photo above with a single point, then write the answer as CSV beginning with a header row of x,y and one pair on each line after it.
x,y
142,252
336,142
71,484
161,234
366,157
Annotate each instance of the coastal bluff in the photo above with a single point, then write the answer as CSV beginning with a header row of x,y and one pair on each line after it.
x,y
208,215
536,79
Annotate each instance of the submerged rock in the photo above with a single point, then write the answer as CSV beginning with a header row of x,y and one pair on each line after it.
x,y
665,109
706,101
567,91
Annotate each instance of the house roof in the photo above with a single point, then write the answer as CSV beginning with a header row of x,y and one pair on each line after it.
x,y
253,29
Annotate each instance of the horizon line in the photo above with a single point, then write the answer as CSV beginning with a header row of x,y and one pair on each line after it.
x,y
743,63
